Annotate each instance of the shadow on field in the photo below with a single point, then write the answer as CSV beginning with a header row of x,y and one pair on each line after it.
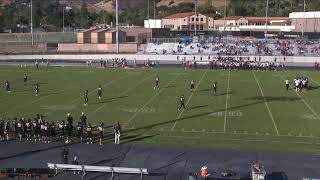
x,y
204,90
51,93
226,93
274,98
23,91
277,176
197,107
26,153
148,127
310,88
172,86
110,99
137,138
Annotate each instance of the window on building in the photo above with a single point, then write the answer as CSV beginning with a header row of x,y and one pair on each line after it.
x,y
231,24
184,19
197,19
192,19
201,19
236,24
201,27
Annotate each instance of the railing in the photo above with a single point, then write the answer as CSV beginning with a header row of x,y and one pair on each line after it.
x,y
102,169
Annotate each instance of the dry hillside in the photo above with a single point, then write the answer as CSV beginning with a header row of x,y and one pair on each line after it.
x,y
107,5
215,3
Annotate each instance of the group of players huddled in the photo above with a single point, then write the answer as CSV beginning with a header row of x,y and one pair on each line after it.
x,y
240,63
301,83
39,130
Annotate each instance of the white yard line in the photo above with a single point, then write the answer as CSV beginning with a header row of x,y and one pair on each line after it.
x,y
149,101
304,101
125,92
190,97
226,107
265,101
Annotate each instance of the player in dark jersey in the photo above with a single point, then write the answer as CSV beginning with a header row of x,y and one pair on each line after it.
x,y
2,133
215,86
28,130
25,79
61,127
7,84
15,127
101,133
85,98
36,89
157,83
182,105
20,129
7,130
100,92
37,64
52,131
80,132
192,85
89,134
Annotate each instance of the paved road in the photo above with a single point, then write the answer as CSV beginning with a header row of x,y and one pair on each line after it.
x,y
164,162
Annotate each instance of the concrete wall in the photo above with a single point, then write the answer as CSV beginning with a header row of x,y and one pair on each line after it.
x,y
28,49
289,59
97,48
306,25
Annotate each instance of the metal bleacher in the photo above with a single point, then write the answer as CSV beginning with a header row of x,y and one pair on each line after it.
x,y
101,169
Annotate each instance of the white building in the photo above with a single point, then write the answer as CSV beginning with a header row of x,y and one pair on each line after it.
x,y
153,23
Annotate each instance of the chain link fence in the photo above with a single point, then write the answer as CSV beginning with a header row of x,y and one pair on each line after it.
x,y
38,38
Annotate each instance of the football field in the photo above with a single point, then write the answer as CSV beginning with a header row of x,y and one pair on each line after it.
x,y
251,111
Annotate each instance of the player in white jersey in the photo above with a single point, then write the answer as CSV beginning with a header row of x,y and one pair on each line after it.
x,y
287,82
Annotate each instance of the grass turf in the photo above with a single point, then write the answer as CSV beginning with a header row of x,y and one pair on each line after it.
x,y
252,109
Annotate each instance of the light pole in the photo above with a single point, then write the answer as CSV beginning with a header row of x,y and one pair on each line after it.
x,y
63,17
117,25
266,30
31,24
224,17
304,14
195,11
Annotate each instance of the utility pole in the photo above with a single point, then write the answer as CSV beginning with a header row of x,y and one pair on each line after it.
x,y
148,9
266,30
117,25
224,17
304,14
195,11
154,13
31,24
154,9
63,17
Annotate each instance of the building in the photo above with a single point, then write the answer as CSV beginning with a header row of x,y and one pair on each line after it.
x,y
230,23
239,23
104,36
305,21
188,21
153,23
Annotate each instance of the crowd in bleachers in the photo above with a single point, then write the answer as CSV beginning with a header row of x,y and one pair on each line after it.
x,y
238,47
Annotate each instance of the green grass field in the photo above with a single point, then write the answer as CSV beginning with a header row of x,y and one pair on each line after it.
x,y
252,110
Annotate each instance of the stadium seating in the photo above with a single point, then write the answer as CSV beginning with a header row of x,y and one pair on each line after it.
x,y
238,47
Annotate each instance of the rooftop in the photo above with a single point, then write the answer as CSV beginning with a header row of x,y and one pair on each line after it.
x,y
179,15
